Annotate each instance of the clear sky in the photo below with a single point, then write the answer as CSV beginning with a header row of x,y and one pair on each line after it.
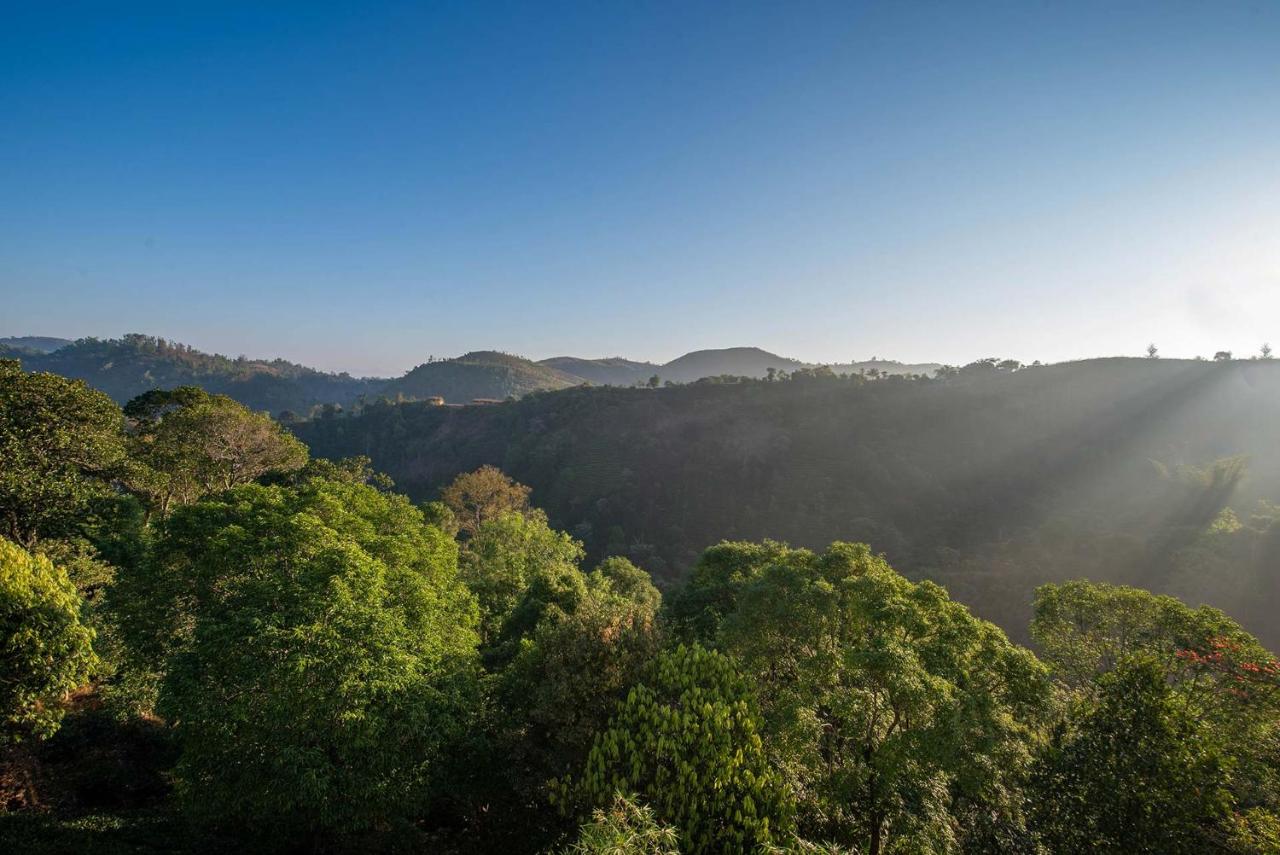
x,y
357,186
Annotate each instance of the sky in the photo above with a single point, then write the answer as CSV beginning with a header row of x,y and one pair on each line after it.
x,y
358,186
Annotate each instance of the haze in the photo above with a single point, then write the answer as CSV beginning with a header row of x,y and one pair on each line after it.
x,y
359,188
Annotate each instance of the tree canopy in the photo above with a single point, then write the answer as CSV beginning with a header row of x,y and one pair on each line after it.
x,y
899,715
45,649
686,739
60,442
190,444
320,652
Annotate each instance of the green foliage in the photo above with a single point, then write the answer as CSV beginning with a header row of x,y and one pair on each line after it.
x,y
989,482
573,668
626,827
318,651
686,739
699,607
45,650
189,444
1220,677
624,579
896,714
1133,774
517,560
60,442
1085,629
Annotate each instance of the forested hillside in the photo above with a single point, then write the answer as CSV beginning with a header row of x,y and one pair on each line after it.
x,y
610,371
33,343
126,367
991,481
213,642
479,374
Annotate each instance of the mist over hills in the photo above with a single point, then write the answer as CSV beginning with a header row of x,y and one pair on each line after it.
x,y
132,364
990,478
1156,473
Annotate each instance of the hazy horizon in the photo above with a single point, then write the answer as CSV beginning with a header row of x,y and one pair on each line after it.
x,y
907,359
359,189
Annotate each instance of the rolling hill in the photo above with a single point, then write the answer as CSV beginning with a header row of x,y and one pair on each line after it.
x,y
612,371
724,362
126,367
34,343
479,374
734,361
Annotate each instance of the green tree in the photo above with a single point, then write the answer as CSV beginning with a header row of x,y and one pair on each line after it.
x,y
60,444
318,656
1133,774
574,668
897,715
626,827
475,497
45,649
711,592
517,560
191,444
1085,629
1222,679
686,740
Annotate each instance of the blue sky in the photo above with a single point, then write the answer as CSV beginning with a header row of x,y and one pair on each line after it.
x,y
359,186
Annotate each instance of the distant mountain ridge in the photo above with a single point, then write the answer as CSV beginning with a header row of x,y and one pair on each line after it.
x,y
126,367
728,361
735,361
34,343
480,374
611,371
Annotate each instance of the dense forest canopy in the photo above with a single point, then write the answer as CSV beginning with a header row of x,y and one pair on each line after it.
x,y
211,639
1159,473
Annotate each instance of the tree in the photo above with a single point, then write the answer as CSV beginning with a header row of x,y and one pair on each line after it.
x,y
192,444
475,497
516,559
60,442
45,650
897,715
1222,356
1087,629
575,666
626,827
318,652
1220,676
1153,352
1133,775
654,382
711,592
1266,351
686,740
564,679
